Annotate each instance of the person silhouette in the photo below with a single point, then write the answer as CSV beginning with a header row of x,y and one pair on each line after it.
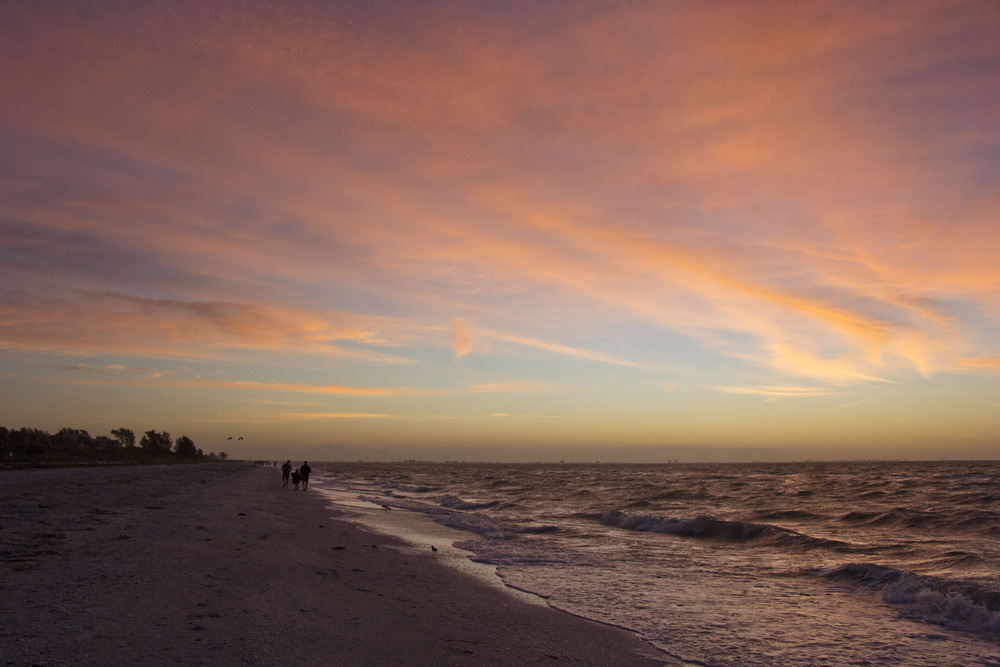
x,y
304,470
296,478
286,471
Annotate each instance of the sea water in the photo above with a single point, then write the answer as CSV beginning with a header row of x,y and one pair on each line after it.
x,y
732,564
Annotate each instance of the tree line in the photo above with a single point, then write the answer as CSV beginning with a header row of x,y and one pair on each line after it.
x,y
78,444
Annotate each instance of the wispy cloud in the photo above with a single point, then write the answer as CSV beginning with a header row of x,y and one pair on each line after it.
x,y
518,387
566,350
986,363
468,339
782,391
264,401
291,387
495,415
332,415
461,338
162,328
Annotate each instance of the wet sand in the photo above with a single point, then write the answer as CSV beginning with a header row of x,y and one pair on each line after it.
x,y
216,564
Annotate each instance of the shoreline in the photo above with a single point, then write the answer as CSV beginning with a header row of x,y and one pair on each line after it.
x,y
195,564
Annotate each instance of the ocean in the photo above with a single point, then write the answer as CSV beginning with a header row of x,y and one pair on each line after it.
x,y
756,565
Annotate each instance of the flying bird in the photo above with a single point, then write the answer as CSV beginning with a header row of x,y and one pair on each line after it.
x,y
229,438
240,438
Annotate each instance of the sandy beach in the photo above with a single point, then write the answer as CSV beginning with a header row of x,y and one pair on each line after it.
x,y
216,564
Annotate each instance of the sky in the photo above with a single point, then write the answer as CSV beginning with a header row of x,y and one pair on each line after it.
x,y
635,231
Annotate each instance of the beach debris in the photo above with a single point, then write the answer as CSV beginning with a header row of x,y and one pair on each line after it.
x,y
243,513
386,507
338,548
123,537
25,566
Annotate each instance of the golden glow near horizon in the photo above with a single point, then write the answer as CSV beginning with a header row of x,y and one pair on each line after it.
x,y
529,230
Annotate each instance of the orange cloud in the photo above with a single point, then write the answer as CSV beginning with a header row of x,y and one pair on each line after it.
x,y
465,343
118,323
292,387
516,387
989,363
865,320
566,350
775,392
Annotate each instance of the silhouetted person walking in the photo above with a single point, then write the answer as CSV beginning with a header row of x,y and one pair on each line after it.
x,y
304,471
296,478
286,471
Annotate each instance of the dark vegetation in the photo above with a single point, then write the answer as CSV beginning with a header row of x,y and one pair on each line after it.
x,y
32,446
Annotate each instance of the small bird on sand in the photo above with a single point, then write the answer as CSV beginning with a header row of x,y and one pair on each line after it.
x,y
433,548
386,507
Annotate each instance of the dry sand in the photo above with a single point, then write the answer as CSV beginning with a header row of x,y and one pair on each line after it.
x,y
216,564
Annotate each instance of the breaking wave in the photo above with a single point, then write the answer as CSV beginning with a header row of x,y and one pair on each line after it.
x,y
456,503
707,527
958,605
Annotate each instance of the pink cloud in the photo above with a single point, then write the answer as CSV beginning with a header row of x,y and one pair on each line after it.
x,y
726,173
462,339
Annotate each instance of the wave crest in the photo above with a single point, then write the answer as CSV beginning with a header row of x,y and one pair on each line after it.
x,y
711,528
959,605
456,503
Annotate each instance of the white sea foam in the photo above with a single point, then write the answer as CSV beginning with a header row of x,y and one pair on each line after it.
x,y
959,605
